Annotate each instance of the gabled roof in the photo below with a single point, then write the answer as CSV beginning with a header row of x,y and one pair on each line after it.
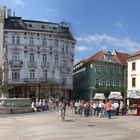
x,y
121,57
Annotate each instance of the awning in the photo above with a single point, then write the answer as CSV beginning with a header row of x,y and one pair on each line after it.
x,y
133,94
99,96
115,95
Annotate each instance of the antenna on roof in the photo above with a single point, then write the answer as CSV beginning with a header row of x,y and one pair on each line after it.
x,y
14,14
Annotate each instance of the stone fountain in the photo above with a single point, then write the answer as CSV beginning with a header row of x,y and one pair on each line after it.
x,y
11,105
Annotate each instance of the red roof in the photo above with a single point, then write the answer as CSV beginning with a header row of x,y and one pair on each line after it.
x,y
121,57
118,57
97,56
135,54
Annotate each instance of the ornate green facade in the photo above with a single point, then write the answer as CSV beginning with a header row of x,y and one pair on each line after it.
x,y
97,76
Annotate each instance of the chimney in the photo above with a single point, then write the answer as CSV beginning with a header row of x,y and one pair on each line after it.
x,y
14,14
5,12
8,13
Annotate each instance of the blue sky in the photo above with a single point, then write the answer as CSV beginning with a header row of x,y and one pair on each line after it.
x,y
96,24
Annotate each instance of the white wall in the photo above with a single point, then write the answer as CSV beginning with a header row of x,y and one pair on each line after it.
x,y
135,73
25,57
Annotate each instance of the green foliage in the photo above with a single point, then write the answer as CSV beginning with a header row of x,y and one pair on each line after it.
x,y
104,90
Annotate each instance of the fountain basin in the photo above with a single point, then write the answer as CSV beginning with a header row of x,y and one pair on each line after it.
x,y
15,105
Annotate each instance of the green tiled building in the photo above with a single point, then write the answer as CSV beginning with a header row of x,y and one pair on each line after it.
x,y
103,71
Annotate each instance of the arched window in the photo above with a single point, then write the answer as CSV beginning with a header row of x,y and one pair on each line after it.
x,y
13,40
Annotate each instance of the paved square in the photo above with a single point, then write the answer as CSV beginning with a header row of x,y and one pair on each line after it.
x,y
46,126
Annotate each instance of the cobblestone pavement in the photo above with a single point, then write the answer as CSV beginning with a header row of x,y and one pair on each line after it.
x,y
46,126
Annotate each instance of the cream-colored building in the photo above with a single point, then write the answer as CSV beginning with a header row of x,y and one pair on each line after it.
x,y
134,73
39,56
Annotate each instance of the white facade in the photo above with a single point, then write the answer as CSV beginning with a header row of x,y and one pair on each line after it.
x,y
40,56
134,73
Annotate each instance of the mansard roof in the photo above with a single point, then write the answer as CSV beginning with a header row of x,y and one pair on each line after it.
x,y
32,25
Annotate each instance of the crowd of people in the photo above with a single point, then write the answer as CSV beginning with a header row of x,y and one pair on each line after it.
x,y
97,108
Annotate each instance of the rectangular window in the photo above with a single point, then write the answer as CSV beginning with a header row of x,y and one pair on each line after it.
x,y
31,57
133,66
32,74
104,70
44,57
104,82
133,82
55,42
111,71
56,58
31,41
18,40
45,74
64,64
98,69
111,83
15,56
15,74
64,80
44,42
13,40
97,81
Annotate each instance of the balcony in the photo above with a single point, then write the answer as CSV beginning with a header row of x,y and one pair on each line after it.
x,y
45,65
15,81
32,64
28,80
16,63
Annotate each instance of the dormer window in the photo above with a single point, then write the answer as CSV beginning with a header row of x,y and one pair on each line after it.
x,y
30,25
16,24
42,27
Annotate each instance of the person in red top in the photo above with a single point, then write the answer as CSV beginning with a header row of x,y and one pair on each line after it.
x,y
108,109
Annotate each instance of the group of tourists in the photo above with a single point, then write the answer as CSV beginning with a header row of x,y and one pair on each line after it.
x,y
98,108
44,104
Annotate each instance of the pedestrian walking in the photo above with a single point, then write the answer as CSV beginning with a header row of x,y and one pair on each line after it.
x,y
108,109
61,111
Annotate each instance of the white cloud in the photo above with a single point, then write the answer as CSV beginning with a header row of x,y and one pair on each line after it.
x,y
76,60
52,11
18,2
82,48
119,25
107,41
